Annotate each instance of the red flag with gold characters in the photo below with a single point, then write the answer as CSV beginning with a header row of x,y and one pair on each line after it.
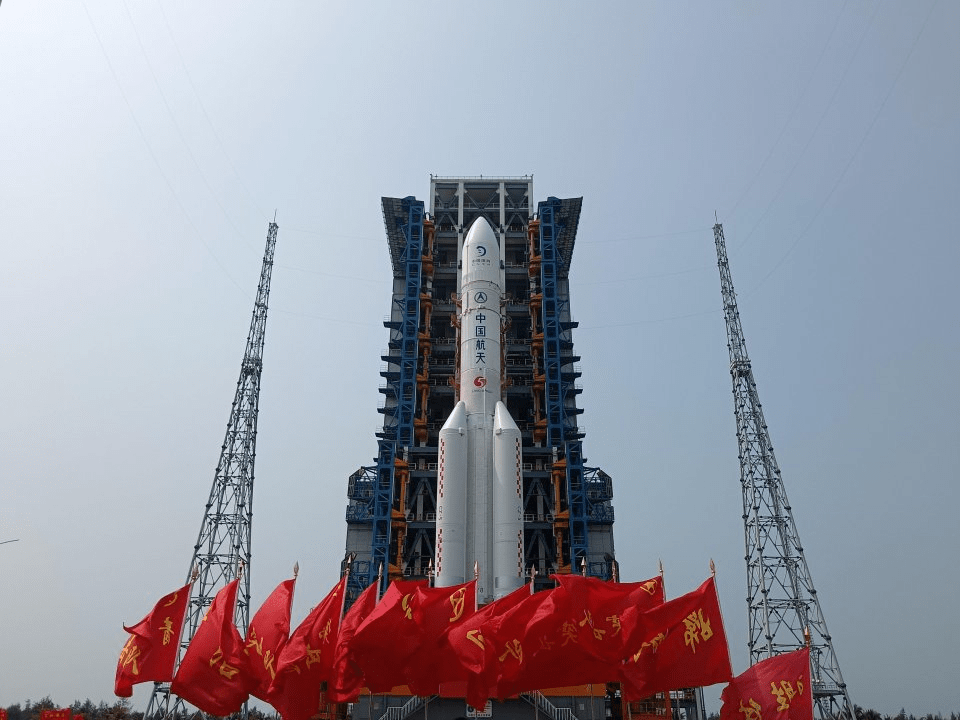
x,y
3,714
462,652
151,649
513,637
680,644
586,642
387,637
62,714
211,675
266,636
306,660
777,688
435,610
347,678
594,611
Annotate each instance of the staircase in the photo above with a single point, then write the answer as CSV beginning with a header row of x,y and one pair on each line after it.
x,y
407,709
540,702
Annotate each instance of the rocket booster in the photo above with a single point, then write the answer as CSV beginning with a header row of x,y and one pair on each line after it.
x,y
479,482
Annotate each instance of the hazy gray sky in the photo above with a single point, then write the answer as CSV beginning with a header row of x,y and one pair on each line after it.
x,y
145,146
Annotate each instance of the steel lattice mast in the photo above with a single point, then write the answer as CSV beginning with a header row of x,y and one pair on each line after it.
x,y
782,605
223,545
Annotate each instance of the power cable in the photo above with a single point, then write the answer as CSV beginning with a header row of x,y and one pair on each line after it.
x,y
643,237
203,108
793,112
153,155
823,115
856,152
179,130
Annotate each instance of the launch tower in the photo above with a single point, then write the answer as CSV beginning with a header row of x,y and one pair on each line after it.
x,y
567,514
223,544
783,609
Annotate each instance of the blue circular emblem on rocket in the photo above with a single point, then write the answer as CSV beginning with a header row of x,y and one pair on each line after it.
x,y
481,250
480,297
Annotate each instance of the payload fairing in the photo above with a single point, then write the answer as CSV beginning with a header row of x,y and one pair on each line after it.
x,y
479,483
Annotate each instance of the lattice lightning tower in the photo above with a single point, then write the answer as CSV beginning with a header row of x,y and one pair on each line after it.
x,y
224,540
782,603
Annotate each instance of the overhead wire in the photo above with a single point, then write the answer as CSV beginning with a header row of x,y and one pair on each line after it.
x,y
153,155
793,112
179,130
855,153
816,128
833,188
206,115
588,242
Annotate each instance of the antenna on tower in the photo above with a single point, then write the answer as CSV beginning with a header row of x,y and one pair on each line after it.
x,y
223,548
782,605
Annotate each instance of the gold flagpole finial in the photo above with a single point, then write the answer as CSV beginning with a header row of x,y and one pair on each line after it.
x,y
240,566
583,566
476,569
348,564
713,569
296,568
806,635
194,574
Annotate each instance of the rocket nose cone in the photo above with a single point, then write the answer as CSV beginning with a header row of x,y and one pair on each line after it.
x,y
481,230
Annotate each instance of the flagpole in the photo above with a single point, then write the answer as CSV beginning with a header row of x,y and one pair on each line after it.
x,y
346,575
296,571
713,576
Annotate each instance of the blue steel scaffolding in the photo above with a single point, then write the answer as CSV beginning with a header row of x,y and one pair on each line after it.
x,y
563,433
371,489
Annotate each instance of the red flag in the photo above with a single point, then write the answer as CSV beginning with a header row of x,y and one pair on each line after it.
x,y
777,688
151,649
435,610
266,636
513,637
387,637
462,650
306,660
595,609
347,677
679,644
585,641
3,714
210,674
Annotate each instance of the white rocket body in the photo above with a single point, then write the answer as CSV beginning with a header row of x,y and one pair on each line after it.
x,y
479,485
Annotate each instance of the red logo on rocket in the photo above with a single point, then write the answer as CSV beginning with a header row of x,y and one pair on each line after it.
x,y
480,381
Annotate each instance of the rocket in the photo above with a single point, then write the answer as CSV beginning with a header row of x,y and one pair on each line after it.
x,y
479,480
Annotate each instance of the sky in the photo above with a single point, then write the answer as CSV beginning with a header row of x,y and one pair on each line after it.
x,y
145,147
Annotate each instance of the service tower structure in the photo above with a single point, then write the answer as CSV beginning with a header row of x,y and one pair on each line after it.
x,y
517,378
